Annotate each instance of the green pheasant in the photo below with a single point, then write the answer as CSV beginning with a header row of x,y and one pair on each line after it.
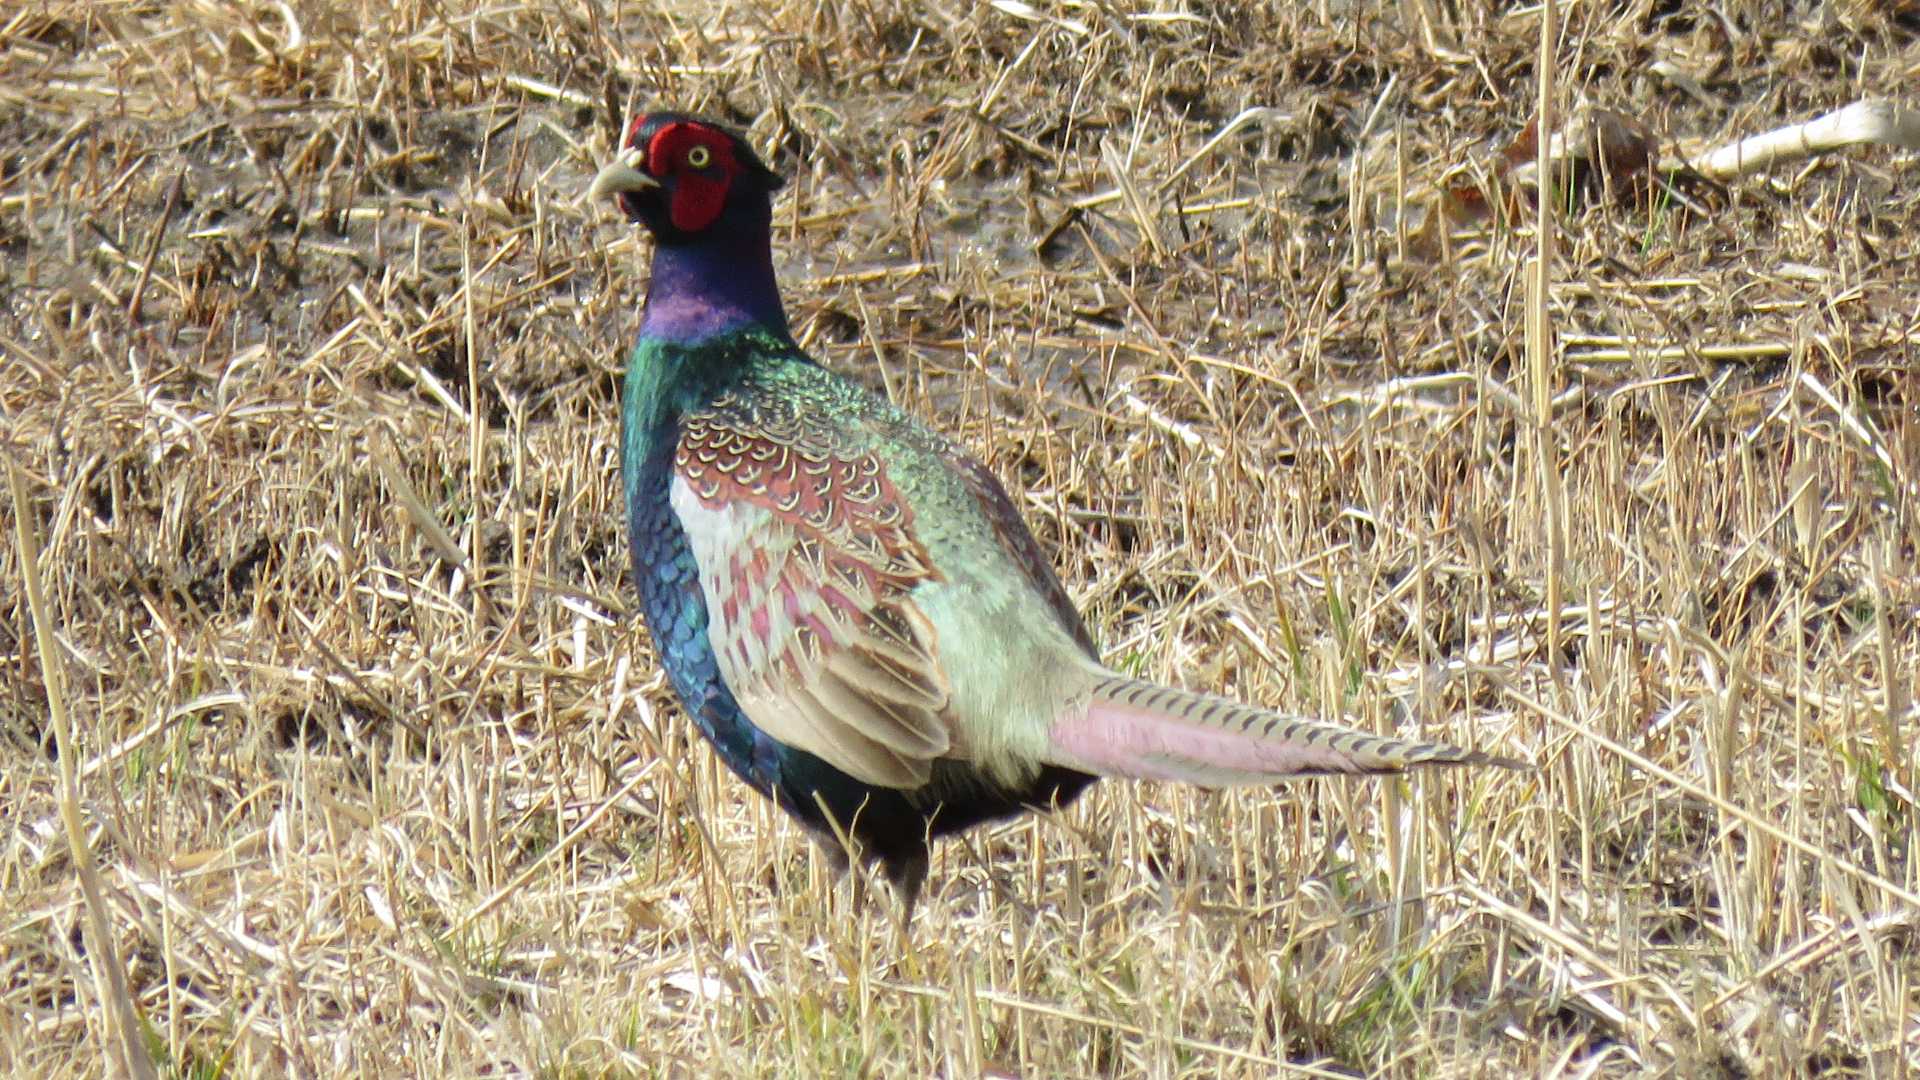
x,y
847,603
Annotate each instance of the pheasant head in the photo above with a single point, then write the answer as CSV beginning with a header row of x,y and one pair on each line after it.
x,y
688,181
708,201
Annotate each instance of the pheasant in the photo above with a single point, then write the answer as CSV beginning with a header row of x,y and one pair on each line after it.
x,y
846,602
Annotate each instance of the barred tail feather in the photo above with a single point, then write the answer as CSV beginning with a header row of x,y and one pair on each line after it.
x,y
1150,732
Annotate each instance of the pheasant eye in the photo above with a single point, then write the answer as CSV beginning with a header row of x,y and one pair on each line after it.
x,y
699,157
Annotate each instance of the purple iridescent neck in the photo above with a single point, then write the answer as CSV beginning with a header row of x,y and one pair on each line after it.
x,y
718,285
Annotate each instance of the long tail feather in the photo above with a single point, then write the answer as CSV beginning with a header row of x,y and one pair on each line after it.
x,y
1151,732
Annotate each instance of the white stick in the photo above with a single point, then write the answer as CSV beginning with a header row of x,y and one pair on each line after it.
x,y
1874,120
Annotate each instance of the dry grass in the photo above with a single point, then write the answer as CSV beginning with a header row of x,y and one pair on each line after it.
x,y
289,287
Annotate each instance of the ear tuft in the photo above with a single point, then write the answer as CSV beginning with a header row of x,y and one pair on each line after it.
x,y
751,163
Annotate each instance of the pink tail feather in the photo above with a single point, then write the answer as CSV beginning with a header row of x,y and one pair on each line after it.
x,y
1149,732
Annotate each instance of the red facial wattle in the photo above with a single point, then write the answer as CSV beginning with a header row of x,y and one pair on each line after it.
x,y
699,190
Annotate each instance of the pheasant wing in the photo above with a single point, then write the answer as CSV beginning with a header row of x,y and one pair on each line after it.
x,y
808,560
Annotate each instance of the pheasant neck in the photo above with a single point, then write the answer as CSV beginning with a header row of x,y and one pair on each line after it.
x,y
717,286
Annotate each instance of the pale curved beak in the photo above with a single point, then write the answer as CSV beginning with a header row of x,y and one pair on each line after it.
x,y
622,174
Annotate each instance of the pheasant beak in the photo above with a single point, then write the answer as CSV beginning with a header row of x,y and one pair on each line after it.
x,y
621,175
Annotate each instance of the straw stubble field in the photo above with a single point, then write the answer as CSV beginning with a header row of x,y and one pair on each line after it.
x,y
311,362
